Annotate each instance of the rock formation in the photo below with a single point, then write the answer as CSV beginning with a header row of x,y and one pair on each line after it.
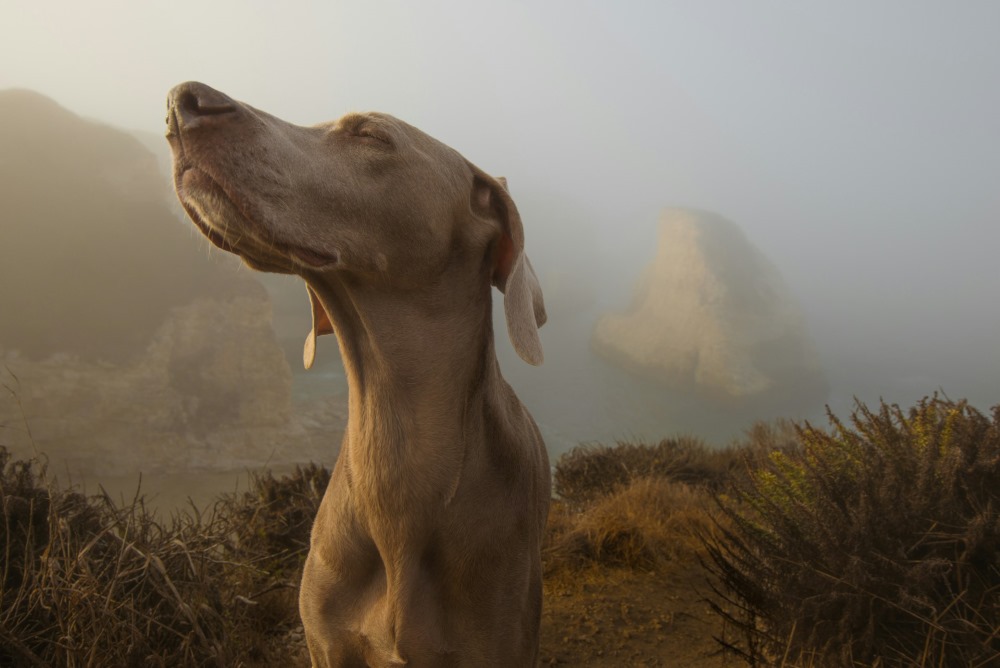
x,y
125,344
94,255
206,392
713,314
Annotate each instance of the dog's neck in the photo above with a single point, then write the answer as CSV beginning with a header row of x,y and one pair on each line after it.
x,y
419,370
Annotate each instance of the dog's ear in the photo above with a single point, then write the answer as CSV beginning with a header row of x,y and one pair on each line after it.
x,y
512,271
321,324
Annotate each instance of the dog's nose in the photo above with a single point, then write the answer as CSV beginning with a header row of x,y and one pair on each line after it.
x,y
191,104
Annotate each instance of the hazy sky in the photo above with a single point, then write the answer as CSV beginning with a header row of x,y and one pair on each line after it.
x,y
856,142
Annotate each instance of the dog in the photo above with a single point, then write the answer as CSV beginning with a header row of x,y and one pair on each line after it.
x,y
426,549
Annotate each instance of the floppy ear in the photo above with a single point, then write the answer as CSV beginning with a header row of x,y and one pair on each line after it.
x,y
512,271
320,325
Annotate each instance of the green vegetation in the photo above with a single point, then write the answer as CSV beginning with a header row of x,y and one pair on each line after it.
x,y
871,544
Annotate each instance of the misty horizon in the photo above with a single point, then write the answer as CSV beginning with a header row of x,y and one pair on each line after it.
x,y
857,146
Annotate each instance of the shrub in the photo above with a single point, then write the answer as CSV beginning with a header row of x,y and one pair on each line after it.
x,y
589,472
871,544
763,438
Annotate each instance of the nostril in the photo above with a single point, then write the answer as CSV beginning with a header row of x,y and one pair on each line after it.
x,y
187,103
194,102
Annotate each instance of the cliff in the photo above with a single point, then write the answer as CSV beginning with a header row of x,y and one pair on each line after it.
x,y
125,343
712,314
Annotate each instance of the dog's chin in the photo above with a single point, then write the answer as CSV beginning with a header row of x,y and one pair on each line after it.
x,y
227,225
221,221
207,230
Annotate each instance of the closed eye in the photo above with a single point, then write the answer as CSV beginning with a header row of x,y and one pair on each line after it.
x,y
363,129
372,132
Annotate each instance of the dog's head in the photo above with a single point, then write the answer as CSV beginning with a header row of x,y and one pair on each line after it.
x,y
368,196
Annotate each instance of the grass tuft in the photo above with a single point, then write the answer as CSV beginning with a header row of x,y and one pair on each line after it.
x,y
634,505
642,526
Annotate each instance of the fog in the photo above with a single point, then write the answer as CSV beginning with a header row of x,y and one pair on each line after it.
x,y
856,144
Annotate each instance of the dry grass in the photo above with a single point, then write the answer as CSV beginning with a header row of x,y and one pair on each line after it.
x,y
640,526
590,472
87,583
871,544
634,505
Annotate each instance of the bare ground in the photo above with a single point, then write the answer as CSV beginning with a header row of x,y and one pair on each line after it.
x,y
619,618
616,617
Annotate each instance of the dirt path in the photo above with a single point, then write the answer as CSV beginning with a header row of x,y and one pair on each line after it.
x,y
616,618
